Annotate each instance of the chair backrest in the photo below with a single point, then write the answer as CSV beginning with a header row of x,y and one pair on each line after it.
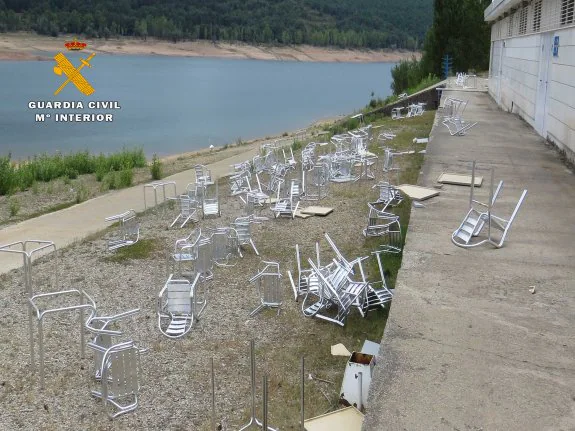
x,y
121,370
178,297
268,280
204,261
242,225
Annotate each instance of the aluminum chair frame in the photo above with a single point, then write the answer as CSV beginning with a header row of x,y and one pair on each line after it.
x,y
203,175
315,182
188,210
101,327
286,207
242,225
475,220
305,283
211,205
225,244
121,382
83,302
128,232
268,283
185,250
155,186
342,299
177,306
387,225
389,195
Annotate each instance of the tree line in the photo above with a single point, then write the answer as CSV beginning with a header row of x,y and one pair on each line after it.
x,y
458,30
341,23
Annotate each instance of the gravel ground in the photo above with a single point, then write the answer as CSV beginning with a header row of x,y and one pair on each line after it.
x,y
176,387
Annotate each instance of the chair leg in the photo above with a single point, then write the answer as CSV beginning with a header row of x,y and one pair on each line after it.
x,y
254,246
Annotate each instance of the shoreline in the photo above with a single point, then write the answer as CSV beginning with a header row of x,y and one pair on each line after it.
x,y
29,46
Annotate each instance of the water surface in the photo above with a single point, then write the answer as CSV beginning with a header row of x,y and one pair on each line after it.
x,y
171,105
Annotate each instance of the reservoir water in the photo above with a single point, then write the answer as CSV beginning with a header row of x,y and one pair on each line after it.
x,y
170,105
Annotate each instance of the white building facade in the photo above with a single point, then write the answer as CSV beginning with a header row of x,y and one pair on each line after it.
x,y
532,65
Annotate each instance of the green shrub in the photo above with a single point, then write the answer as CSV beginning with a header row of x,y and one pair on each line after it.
x,y
82,192
6,175
125,178
296,145
14,206
156,168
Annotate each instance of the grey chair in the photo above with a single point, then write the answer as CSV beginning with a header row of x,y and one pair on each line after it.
x,y
179,306
121,376
268,282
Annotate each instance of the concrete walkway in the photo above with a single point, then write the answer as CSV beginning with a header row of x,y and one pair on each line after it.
x,y
79,221
467,346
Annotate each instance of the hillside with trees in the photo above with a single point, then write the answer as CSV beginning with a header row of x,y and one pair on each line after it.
x,y
458,30
341,23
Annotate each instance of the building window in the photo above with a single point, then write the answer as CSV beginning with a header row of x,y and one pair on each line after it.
x,y
523,21
537,16
567,7
510,25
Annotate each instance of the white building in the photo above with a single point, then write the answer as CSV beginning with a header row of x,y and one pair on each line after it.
x,y
532,65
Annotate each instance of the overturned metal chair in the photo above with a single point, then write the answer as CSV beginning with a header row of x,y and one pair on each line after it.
x,y
128,232
105,334
225,245
386,225
287,207
253,201
211,203
340,293
378,295
315,182
204,262
306,282
453,110
242,225
203,175
476,220
178,304
120,373
388,195
268,282
188,210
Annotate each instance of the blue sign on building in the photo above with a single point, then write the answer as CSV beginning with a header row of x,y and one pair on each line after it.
x,y
556,46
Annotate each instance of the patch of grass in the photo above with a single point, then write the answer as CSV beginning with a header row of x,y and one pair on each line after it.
x,y
143,249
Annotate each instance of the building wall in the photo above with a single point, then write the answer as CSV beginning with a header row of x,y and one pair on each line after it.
x,y
517,63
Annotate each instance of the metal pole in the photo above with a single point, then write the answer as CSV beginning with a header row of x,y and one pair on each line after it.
x,y
41,343
472,184
213,396
489,206
302,409
265,403
253,376
360,401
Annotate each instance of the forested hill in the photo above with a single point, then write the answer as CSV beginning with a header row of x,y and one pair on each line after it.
x,y
342,23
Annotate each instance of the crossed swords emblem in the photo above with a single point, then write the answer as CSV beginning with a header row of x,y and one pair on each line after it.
x,y
74,76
